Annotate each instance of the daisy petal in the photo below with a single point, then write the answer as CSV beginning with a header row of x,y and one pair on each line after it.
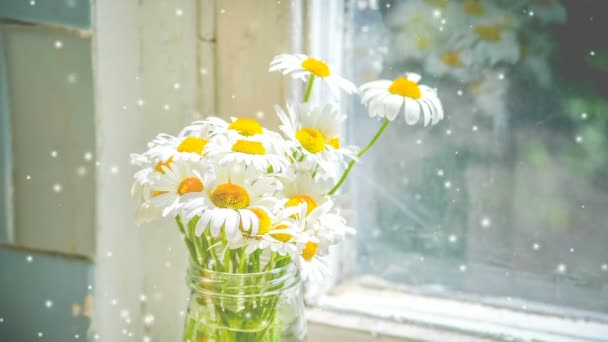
x,y
393,104
412,111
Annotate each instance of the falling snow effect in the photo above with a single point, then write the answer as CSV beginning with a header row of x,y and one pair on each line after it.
x,y
475,192
72,78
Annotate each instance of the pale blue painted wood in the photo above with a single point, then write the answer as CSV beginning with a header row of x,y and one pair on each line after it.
x,y
28,279
6,210
70,13
31,281
51,99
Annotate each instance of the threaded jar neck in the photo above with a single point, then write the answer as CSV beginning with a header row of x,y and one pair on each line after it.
x,y
204,282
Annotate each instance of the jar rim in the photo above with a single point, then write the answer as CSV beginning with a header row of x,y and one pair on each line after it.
x,y
199,268
245,285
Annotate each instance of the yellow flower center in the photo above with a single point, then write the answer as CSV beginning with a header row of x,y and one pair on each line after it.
x,y
334,142
264,220
311,139
297,200
317,67
192,144
246,126
406,88
188,185
230,196
474,8
249,147
282,237
437,3
489,33
158,193
160,164
309,251
452,58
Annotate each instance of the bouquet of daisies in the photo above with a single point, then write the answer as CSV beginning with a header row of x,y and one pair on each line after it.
x,y
248,199
261,194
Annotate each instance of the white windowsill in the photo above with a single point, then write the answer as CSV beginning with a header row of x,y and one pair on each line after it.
x,y
357,312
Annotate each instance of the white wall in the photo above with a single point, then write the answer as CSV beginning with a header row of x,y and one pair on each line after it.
x,y
145,50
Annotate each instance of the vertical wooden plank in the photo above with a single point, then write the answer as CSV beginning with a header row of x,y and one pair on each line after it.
x,y
119,126
6,162
206,45
249,34
168,57
146,74
46,297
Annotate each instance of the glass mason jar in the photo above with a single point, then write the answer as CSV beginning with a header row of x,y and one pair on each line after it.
x,y
245,307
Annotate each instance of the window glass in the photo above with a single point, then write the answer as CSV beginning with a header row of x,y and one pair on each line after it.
x,y
506,198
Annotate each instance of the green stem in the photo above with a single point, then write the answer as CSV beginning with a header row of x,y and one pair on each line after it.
x,y
270,262
196,242
311,80
187,241
227,260
243,260
211,250
360,154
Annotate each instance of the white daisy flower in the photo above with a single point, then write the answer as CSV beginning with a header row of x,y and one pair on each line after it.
x,y
165,146
416,23
312,266
315,132
328,228
142,192
251,128
322,229
233,148
211,125
546,11
180,183
467,13
453,63
386,99
302,188
301,67
139,159
489,42
463,17
304,164
279,233
141,188
229,200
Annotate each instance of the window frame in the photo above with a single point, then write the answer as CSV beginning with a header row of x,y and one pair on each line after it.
x,y
356,305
